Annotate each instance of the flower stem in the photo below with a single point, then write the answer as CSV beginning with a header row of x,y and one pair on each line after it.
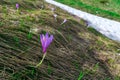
x,y
41,60
17,11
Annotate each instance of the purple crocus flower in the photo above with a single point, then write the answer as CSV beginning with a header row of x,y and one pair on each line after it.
x,y
17,5
45,41
52,9
65,20
55,15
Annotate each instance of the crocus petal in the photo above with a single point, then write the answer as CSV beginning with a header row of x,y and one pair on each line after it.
x,y
41,39
46,35
17,5
45,40
51,38
41,36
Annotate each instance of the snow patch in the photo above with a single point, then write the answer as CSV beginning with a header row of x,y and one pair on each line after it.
x,y
107,27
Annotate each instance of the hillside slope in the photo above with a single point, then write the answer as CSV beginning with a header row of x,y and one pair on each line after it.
x,y
76,50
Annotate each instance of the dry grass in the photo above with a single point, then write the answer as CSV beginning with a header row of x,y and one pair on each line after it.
x,y
71,52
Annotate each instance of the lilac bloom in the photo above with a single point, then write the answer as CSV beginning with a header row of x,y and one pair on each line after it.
x,y
45,41
65,20
17,5
52,9
55,15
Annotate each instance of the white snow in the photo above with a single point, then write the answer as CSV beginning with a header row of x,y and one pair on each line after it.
x,y
107,27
